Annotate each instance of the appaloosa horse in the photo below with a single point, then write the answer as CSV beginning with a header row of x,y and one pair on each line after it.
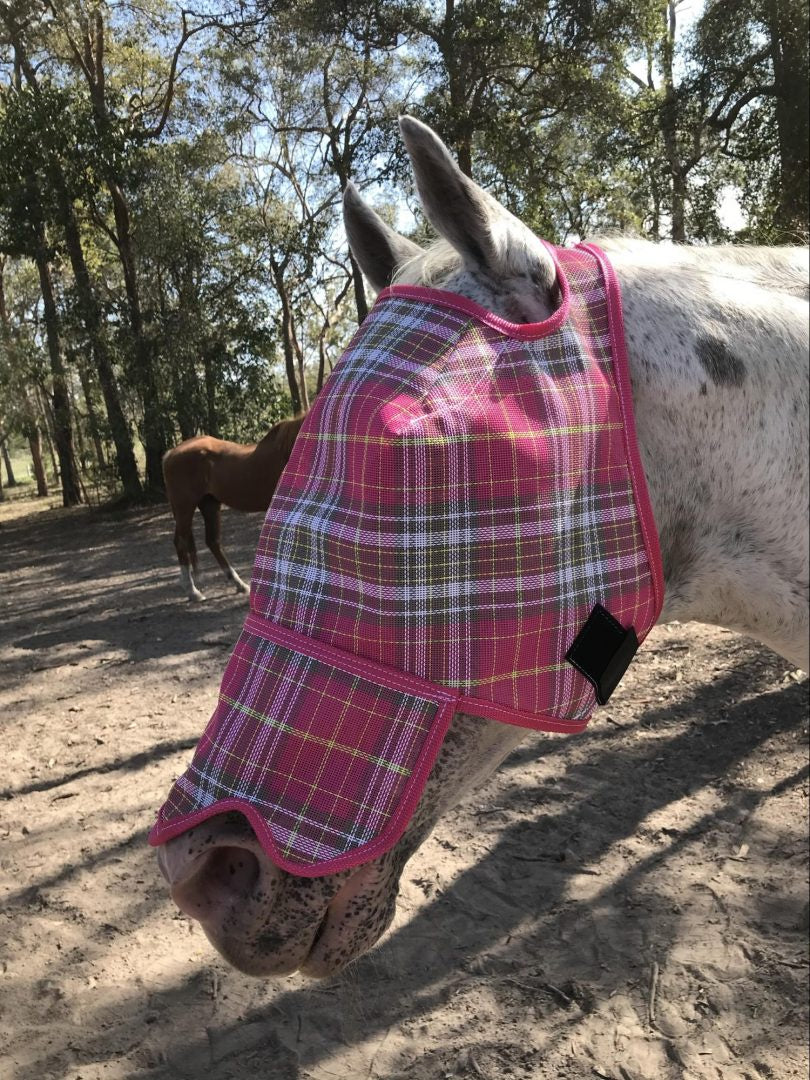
x,y
203,473
718,346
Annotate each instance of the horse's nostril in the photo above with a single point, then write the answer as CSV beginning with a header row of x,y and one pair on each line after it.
x,y
234,869
223,877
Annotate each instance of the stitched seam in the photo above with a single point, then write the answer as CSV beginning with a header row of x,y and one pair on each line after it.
x,y
367,669
490,710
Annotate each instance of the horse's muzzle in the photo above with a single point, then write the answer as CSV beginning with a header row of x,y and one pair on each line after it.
x,y
263,920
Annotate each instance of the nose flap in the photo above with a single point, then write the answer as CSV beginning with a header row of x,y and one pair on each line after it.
x,y
325,753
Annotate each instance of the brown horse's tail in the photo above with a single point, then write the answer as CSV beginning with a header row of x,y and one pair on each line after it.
x,y
210,507
175,476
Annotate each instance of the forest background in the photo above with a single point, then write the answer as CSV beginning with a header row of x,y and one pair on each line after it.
x,y
172,259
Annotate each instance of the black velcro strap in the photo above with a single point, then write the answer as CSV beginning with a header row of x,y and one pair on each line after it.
x,y
602,652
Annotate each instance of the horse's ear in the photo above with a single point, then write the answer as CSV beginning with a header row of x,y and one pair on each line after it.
x,y
379,250
483,232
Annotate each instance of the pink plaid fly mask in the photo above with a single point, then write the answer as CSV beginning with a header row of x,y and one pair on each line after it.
x,y
463,526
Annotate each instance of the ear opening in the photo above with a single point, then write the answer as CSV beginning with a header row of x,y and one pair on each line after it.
x,y
378,249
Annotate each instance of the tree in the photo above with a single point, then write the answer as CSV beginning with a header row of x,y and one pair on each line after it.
x,y
19,412
61,120
205,253
23,233
754,59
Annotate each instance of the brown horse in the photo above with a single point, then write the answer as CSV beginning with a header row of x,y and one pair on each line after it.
x,y
203,473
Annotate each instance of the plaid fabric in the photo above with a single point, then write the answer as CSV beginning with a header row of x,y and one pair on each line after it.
x,y
461,495
285,747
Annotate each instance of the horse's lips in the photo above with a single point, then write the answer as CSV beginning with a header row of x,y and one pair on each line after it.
x,y
311,965
257,950
260,951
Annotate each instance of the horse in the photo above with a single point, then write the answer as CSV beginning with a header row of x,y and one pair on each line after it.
x,y
718,345
202,473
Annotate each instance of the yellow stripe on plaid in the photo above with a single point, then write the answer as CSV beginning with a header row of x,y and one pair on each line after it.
x,y
222,751
306,736
444,440
280,677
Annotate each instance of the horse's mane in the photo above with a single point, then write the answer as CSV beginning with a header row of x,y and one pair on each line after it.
x,y
282,435
782,268
432,267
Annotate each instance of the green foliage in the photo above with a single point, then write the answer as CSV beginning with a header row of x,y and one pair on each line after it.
x,y
201,157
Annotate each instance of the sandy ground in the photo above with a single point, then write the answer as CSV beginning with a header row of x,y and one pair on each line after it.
x,y
630,904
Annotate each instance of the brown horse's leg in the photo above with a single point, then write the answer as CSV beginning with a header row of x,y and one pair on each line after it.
x,y
211,510
186,549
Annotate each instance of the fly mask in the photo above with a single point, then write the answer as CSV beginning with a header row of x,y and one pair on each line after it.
x,y
463,526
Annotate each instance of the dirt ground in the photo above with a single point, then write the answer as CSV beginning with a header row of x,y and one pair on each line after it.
x,y
629,904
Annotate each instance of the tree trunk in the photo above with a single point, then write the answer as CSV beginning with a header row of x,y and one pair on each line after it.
x,y
655,221
678,208
91,316
35,446
299,357
669,128
360,299
10,478
47,427
76,420
8,341
155,436
788,26
458,90
7,337
62,430
184,395
321,365
287,342
212,420
92,417
184,412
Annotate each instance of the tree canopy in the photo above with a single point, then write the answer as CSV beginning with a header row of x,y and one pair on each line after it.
x,y
172,259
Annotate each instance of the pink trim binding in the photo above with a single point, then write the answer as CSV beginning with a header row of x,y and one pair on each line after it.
x,y
402,681
621,368
351,662
524,331
491,710
445,702
161,832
